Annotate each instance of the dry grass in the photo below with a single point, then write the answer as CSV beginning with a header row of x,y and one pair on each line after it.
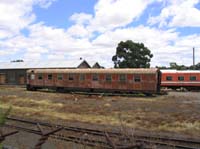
x,y
178,112
41,111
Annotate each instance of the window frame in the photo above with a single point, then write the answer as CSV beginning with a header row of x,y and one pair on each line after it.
x,y
95,77
108,79
59,76
71,77
50,76
124,78
82,77
193,77
32,76
137,78
179,78
40,76
168,77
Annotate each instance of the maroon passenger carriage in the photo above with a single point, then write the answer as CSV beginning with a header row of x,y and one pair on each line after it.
x,y
96,80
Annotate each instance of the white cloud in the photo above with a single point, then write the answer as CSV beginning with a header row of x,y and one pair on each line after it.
x,y
32,56
17,14
110,20
150,36
178,13
14,16
166,45
56,38
55,42
44,3
110,14
81,18
78,31
56,57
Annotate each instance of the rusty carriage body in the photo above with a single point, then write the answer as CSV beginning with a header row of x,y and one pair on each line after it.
x,y
96,80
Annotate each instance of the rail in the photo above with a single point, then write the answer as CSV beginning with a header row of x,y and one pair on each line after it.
x,y
100,138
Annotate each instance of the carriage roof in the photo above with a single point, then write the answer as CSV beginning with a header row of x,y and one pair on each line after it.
x,y
92,71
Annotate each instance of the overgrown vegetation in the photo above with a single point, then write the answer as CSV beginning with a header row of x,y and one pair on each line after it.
x,y
3,114
178,112
174,65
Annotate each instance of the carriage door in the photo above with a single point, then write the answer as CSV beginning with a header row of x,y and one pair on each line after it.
x,y
31,78
21,80
2,78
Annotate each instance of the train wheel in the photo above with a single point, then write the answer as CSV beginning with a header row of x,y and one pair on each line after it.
x,y
60,89
148,94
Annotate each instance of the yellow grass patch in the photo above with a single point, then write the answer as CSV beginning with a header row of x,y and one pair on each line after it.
x,y
26,102
181,126
40,111
161,113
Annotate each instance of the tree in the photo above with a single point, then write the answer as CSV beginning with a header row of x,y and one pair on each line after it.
x,y
174,65
197,66
132,55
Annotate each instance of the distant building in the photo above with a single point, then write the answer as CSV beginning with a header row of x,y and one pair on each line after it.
x,y
14,73
84,64
96,65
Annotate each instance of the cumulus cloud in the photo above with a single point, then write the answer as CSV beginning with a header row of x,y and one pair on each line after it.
x,y
81,18
94,37
44,3
110,14
78,31
17,14
162,43
178,13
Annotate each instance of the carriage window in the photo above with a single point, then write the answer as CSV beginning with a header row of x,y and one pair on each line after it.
x,y
181,78
59,76
122,77
169,78
108,77
71,77
40,77
193,78
137,78
50,76
95,77
82,77
32,76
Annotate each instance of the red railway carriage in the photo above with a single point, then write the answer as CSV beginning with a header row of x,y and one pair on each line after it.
x,y
189,79
105,80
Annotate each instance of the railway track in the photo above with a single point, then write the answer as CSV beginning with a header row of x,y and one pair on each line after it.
x,y
108,139
70,138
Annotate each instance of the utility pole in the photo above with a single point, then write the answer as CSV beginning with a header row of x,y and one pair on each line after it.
x,y
193,58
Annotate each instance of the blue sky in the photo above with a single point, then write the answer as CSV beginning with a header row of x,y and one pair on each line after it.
x,y
58,14
62,30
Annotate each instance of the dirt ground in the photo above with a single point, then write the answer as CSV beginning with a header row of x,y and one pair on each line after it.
x,y
175,112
